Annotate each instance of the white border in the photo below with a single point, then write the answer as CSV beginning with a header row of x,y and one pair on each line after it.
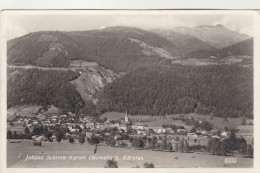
x,y
130,4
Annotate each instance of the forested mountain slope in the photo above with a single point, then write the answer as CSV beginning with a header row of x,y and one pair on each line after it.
x,y
225,91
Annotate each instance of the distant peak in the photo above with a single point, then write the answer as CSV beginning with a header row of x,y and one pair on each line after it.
x,y
211,26
219,25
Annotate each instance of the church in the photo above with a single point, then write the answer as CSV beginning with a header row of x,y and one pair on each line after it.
x,y
126,120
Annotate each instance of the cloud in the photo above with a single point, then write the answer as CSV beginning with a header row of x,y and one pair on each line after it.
x,y
14,30
247,31
239,23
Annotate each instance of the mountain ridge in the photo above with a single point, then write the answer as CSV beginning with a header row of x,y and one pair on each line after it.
x,y
217,36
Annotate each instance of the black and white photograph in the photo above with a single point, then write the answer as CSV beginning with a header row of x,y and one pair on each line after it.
x,y
129,89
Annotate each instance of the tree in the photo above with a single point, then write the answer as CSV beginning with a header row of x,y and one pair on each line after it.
x,y
93,139
48,134
250,150
217,147
148,165
15,136
232,140
176,147
111,164
110,140
186,146
243,121
181,146
27,131
169,146
81,139
58,136
164,144
153,142
71,140
9,134
226,129
193,129
225,148
243,148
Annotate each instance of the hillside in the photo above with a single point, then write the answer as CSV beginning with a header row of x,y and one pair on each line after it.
x,y
185,43
70,88
126,68
217,36
241,48
42,87
119,49
225,91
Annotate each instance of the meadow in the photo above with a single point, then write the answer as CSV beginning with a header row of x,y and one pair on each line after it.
x,y
157,121
17,152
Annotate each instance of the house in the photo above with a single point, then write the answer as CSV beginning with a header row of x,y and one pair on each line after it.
x,y
225,134
117,137
107,121
35,123
135,127
90,125
142,132
181,130
192,135
169,130
89,134
203,132
63,116
159,129
215,136
213,131
114,125
67,134
123,127
29,125
69,126
81,126
140,127
73,130
35,136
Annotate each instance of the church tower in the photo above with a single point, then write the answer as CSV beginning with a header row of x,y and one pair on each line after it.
x,y
126,118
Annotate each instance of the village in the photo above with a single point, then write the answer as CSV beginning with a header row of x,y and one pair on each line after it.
x,y
124,132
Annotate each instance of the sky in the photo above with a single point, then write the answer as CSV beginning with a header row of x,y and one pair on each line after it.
x,y
24,22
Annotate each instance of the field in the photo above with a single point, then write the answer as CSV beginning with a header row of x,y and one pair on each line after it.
x,y
158,121
17,152
23,111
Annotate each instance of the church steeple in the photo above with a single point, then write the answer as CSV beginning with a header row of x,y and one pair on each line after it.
x,y
126,117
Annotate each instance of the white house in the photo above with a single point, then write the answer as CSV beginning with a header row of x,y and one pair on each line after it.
x,y
123,127
134,126
192,135
159,129
142,132
181,130
90,125
140,127
225,134
169,130
215,136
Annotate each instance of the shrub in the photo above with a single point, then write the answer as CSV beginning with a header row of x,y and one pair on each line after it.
x,y
148,165
111,164
71,140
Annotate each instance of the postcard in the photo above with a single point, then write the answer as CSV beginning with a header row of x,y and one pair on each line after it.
x,y
129,89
